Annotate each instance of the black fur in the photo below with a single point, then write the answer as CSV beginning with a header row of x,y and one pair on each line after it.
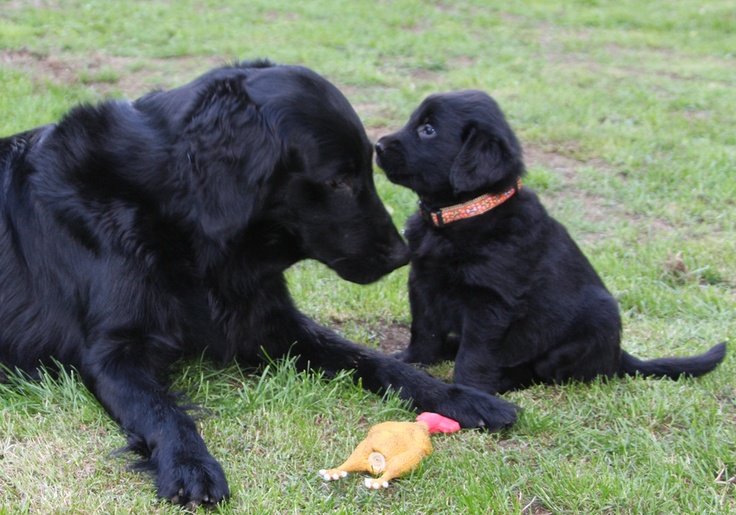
x,y
507,294
132,234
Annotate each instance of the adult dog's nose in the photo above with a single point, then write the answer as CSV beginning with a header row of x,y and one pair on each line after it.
x,y
379,147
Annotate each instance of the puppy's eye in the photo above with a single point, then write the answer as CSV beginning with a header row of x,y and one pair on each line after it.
x,y
426,131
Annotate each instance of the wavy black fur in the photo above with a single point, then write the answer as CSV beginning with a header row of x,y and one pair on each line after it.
x,y
134,233
507,294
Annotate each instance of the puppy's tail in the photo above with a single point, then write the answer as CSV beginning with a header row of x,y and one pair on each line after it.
x,y
693,366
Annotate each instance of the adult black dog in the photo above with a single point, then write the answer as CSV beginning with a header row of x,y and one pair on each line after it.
x,y
496,284
134,233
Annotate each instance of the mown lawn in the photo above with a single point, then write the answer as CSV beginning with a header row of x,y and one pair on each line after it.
x,y
626,113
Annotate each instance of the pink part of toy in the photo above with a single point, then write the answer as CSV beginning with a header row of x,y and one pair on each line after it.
x,y
438,424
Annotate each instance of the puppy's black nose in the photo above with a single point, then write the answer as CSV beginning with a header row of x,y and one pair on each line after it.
x,y
379,147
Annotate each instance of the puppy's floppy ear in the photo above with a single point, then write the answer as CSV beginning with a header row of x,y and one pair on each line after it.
x,y
226,153
484,160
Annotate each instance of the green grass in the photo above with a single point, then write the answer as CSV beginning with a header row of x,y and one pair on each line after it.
x,y
625,111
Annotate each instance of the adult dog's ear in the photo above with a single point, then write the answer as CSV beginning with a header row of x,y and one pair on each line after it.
x,y
226,153
484,160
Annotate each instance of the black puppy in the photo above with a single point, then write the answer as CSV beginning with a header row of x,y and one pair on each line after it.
x,y
496,284
132,234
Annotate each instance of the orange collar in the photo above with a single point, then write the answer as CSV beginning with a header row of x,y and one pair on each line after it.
x,y
477,206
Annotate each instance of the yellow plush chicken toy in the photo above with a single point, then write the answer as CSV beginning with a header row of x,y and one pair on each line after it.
x,y
392,449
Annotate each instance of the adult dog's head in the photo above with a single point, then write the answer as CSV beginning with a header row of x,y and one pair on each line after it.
x,y
455,146
277,152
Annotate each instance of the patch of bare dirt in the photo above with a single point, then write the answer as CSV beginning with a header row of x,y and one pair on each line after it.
x,y
130,76
597,208
37,4
425,75
388,337
39,67
555,53
560,162
462,61
533,507
392,337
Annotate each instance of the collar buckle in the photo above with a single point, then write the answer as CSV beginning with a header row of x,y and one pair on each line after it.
x,y
433,216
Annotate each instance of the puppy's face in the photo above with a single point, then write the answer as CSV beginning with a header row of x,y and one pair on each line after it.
x,y
454,146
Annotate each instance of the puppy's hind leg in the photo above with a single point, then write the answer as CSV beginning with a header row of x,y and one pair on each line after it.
x,y
590,348
517,378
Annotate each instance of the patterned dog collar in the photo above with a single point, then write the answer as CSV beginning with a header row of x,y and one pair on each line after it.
x,y
477,206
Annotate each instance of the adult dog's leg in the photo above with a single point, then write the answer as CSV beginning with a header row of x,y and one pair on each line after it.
x,y
185,471
264,320
320,348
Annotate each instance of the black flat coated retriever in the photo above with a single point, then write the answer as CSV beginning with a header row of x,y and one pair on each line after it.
x,y
495,283
132,234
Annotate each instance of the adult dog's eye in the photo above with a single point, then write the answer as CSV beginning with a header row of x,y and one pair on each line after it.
x,y
338,184
427,131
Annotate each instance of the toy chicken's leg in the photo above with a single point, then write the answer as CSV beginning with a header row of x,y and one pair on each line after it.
x,y
357,462
395,467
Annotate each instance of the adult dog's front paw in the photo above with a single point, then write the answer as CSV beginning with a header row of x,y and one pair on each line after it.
x,y
474,408
192,481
